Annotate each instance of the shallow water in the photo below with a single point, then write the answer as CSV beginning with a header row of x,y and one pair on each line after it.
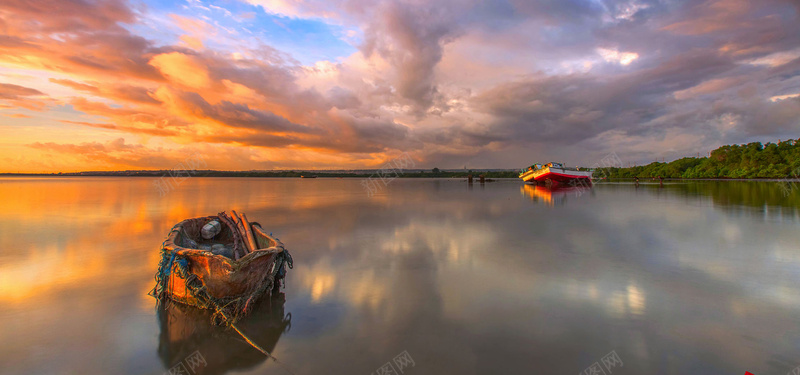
x,y
688,278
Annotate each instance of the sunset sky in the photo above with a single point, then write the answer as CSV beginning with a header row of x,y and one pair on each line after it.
x,y
319,84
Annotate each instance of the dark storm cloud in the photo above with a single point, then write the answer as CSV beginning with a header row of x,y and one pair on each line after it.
x,y
411,38
696,74
696,66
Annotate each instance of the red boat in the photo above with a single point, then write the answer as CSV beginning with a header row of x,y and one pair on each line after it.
x,y
553,174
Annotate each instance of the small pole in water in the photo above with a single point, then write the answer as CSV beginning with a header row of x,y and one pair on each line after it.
x,y
482,178
469,178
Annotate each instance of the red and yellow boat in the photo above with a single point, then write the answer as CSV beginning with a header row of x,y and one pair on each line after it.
x,y
553,174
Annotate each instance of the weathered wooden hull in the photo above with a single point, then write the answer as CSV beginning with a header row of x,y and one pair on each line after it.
x,y
220,278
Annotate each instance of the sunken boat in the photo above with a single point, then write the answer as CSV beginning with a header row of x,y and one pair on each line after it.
x,y
222,263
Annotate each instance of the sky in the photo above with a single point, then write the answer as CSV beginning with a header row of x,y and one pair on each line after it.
x,y
326,84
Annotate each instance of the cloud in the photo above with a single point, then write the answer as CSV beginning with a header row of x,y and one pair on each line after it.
x,y
622,58
182,69
640,105
411,38
783,97
117,154
75,85
127,129
74,15
709,87
193,106
291,8
713,16
17,115
197,31
24,97
9,91
448,81
777,59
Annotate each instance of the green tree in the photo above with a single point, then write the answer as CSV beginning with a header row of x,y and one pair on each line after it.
x,y
752,160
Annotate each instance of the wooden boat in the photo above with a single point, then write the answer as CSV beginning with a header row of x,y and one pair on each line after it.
x,y
304,176
552,174
193,276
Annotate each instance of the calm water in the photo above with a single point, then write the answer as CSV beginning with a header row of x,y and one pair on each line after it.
x,y
691,278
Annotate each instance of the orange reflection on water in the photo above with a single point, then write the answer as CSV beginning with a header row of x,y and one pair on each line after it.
x,y
552,196
78,233
43,271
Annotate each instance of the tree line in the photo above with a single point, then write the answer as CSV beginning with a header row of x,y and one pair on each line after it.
x,y
752,160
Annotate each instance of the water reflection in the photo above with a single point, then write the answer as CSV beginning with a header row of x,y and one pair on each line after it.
x,y
186,330
553,196
696,277
759,198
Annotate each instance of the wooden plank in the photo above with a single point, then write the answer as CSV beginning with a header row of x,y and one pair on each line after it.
x,y
231,224
243,231
250,237
239,228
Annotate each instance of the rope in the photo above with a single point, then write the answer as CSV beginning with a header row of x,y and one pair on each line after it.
x,y
266,353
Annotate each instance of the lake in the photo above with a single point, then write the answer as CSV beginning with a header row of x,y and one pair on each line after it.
x,y
426,276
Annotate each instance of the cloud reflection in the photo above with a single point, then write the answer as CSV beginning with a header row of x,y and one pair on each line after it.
x,y
432,266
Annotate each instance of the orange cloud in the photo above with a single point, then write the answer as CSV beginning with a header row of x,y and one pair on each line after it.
x,y
192,42
179,95
17,115
183,69
25,97
193,26
127,129
75,85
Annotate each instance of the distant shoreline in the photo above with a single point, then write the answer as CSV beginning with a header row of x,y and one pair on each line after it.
x,y
497,173
317,174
